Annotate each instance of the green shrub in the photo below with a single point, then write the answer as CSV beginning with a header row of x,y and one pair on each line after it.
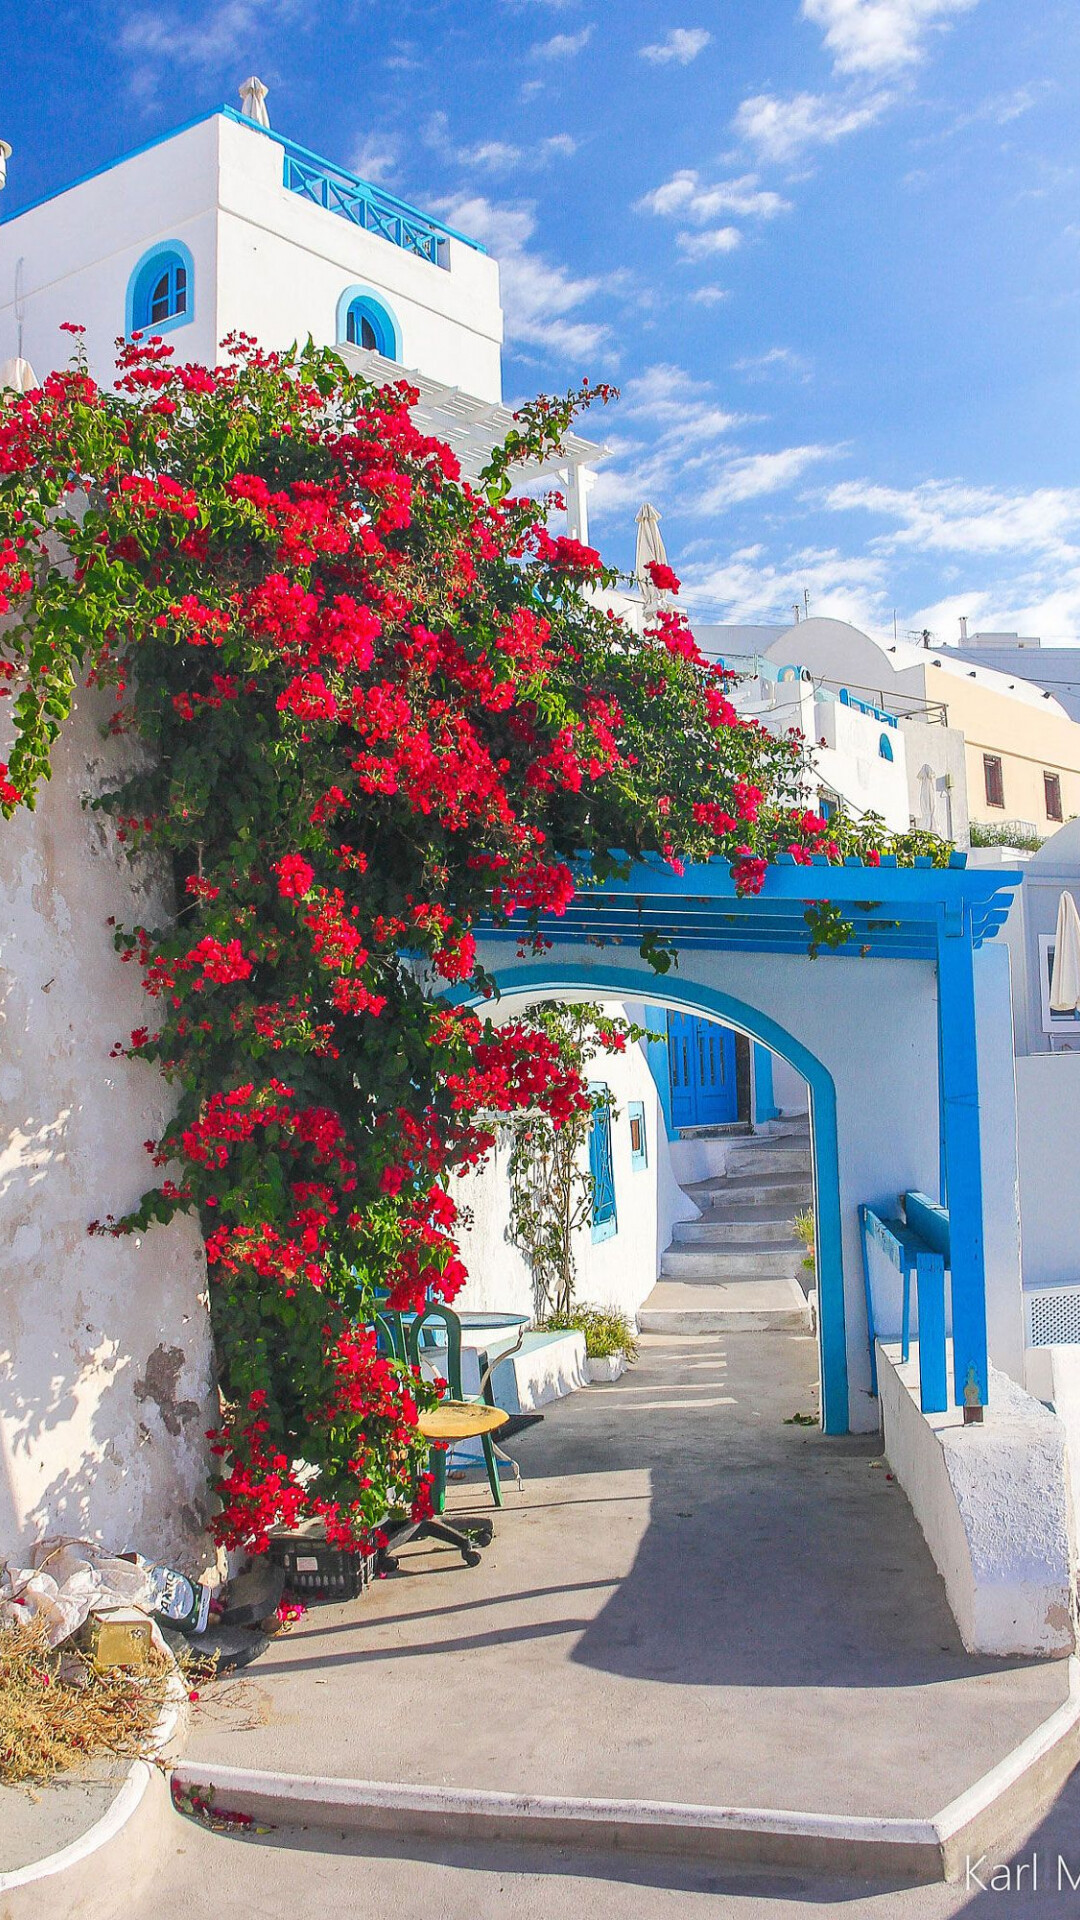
x,y
803,1228
606,1330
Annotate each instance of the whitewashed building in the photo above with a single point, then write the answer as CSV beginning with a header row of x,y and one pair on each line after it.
x,y
106,1385
225,226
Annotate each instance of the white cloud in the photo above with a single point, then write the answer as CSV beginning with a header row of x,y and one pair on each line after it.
x,y
538,295
781,129
701,246
664,433
951,516
686,195
710,296
682,45
493,156
672,400
745,585
210,36
879,36
376,157
776,360
754,474
562,46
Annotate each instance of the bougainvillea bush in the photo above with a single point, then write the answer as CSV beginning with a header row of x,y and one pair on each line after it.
x,y
379,703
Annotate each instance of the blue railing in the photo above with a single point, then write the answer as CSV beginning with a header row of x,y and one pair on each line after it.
x,y
866,706
919,1245
376,211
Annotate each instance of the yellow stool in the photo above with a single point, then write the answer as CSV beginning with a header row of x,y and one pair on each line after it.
x,y
454,1420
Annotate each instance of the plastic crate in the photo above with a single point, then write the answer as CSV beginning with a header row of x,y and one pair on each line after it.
x,y
315,1571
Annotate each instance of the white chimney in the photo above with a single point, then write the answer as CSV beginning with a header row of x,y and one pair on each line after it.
x,y
963,629
5,156
253,102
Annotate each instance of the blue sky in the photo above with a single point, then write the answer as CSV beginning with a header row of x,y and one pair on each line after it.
x,y
829,250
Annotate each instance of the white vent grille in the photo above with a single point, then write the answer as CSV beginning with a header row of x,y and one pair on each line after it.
x,y
1052,1316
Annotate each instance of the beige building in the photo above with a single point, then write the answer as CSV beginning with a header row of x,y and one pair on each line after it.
x,y
1021,749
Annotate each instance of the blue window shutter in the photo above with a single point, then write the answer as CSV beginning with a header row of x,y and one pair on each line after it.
x,y
639,1146
605,1221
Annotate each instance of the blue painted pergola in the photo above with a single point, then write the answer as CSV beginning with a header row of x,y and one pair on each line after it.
x,y
938,916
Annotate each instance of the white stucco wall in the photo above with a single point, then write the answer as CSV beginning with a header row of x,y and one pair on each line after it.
x,y
790,1091
1048,1134
265,260
995,1505
618,1272
1053,1376
1001,1180
105,1363
873,1025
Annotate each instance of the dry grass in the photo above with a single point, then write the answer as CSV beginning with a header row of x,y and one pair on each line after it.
x,y
50,1726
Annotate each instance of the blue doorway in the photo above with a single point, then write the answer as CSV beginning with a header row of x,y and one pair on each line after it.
x,y
703,1070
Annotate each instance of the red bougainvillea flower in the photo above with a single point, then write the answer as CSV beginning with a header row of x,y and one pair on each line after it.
x,y
376,705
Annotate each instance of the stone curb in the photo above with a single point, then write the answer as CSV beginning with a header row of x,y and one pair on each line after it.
x,y
1006,1798
97,1875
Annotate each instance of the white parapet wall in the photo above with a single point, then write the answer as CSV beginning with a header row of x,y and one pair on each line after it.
x,y
105,1362
995,1505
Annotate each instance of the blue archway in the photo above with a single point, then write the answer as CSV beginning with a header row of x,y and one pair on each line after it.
x,y
595,975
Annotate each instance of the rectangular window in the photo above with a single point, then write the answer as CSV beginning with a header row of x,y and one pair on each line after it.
x,y
1052,795
601,1166
639,1151
994,780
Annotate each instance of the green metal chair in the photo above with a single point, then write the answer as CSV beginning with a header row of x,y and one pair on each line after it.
x,y
404,1334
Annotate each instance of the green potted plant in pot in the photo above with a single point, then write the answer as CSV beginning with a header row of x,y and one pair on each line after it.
x,y
610,1340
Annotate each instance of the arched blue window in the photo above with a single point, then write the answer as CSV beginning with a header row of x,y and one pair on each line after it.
x,y
885,747
161,291
364,321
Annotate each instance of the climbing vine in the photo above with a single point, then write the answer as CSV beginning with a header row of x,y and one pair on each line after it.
x,y
373,703
551,1187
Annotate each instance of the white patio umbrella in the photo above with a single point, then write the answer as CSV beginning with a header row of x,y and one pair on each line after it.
x,y
650,546
253,102
17,376
5,156
1065,978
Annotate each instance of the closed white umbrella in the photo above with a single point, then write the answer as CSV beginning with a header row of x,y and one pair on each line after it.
x,y
5,156
650,546
1065,978
17,376
253,102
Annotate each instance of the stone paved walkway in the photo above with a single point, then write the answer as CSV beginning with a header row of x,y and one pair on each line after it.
x,y
692,1600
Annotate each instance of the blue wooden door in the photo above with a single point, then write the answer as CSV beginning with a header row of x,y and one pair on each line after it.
x,y
701,1061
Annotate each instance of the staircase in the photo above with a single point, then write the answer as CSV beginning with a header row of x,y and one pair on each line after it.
x,y
739,1267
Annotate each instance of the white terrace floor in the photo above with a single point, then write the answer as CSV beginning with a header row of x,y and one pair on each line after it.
x,y
692,1600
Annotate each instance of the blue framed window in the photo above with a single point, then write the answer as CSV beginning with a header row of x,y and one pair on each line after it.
x,y
605,1220
161,290
639,1146
365,321
885,747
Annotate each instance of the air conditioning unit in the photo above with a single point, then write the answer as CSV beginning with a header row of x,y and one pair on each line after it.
x,y
1052,1316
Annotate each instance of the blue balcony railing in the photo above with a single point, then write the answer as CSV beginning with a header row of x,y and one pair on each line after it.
x,y
355,200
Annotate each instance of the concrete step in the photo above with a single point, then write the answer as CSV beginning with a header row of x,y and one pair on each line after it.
x,y
735,1263
762,1158
783,1196
743,1186
762,1231
746,1223
761,1306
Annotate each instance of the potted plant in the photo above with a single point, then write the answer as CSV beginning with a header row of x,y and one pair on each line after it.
x,y
610,1342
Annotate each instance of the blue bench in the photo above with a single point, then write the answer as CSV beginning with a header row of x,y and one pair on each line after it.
x,y
916,1245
